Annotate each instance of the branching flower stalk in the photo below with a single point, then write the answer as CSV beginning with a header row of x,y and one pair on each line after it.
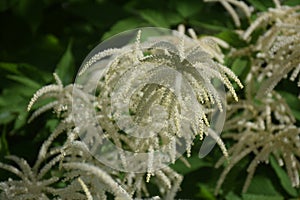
x,y
277,49
262,125
262,129
83,176
178,53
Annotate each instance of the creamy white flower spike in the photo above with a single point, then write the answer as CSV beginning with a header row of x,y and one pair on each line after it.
x,y
156,90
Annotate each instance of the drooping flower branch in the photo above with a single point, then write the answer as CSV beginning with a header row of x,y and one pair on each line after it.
x,y
262,129
82,174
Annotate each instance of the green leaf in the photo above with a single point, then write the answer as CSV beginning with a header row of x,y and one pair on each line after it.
x,y
258,5
65,68
296,114
291,99
6,116
13,102
205,192
188,8
262,5
293,102
123,25
51,124
232,38
232,196
25,81
154,18
256,187
50,42
173,18
283,177
195,163
239,66
292,2
21,119
260,197
24,73
9,67
208,26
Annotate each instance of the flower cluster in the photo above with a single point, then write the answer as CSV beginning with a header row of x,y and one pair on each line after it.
x,y
262,128
277,49
82,110
262,125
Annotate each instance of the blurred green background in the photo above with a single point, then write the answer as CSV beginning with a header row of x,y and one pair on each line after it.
x,y
39,37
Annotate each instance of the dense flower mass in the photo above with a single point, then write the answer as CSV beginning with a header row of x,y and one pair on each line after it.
x,y
79,108
263,129
277,49
142,98
262,123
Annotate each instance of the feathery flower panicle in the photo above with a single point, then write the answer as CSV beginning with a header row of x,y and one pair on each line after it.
x,y
32,183
62,96
171,111
130,66
262,129
277,54
77,176
264,126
